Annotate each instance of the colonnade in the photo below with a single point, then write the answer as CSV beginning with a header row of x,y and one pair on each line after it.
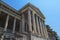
x,y
38,24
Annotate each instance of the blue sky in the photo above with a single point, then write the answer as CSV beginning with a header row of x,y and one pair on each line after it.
x,y
50,8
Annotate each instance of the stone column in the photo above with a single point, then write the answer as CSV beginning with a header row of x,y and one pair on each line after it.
x,y
6,24
44,31
5,29
23,23
37,25
34,24
29,21
14,25
41,28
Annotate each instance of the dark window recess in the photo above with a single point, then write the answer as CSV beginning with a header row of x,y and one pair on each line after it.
x,y
10,23
17,25
2,19
26,27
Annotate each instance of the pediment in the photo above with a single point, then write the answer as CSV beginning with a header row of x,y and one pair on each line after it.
x,y
33,7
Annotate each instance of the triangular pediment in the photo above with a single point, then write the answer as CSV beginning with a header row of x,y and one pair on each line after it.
x,y
33,7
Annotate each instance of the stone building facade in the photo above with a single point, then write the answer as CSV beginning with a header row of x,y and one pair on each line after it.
x,y
26,24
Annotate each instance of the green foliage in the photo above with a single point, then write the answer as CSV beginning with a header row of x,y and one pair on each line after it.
x,y
54,33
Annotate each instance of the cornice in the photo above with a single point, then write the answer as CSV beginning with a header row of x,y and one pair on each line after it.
x,y
9,7
33,7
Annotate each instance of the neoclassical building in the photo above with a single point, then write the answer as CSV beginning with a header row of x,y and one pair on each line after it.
x,y
28,23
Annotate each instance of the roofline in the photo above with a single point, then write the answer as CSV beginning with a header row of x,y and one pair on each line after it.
x,y
29,4
11,8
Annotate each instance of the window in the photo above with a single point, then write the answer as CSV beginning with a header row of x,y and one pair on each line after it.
x,y
10,23
3,17
17,25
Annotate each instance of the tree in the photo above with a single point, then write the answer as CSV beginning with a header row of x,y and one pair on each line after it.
x,y
55,35
52,32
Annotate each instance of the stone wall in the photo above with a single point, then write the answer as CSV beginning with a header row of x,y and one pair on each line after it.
x,y
37,38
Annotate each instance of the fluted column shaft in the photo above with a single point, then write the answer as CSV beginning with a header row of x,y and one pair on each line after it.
x,y
6,24
29,21
34,24
46,33
23,23
14,25
41,27
37,25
